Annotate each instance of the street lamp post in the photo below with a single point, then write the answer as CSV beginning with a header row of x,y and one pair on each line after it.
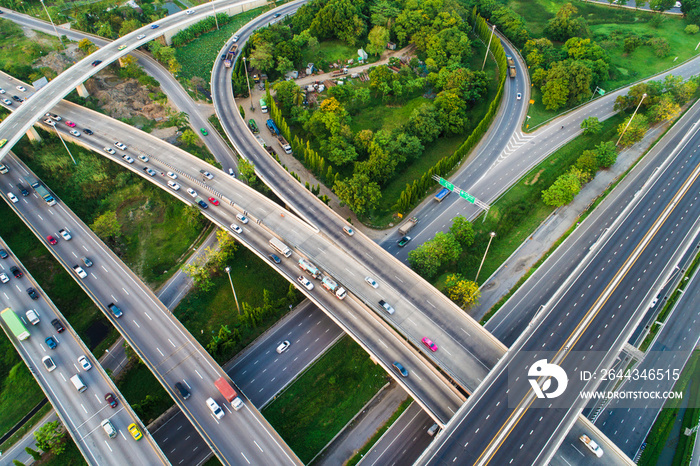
x,y
215,18
228,272
248,83
491,236
64,145
52,24
488,47
628,123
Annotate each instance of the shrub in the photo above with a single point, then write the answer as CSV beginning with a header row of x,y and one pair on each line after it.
x,y
691,29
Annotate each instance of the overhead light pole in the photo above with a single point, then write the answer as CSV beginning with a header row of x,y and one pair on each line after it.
x,y
491,236
228,272
52,24
488,47
631,118
248,83
64,143
215,18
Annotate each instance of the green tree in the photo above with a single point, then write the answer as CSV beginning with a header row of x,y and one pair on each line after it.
x,y
378,38
563,190
130,25
661,5
51,437
338,19
564,25
661,47
631,42
606,154
197,83
174,66
462,231
179,119
423,123
588,162
452,112
358,193
284,64
665,109
591,125
635,131
86,45
188,137
106,226
200,274
427,258
289,95
36,456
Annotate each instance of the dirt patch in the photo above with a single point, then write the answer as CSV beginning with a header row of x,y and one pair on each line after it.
x,y
124,99
535,178
59,61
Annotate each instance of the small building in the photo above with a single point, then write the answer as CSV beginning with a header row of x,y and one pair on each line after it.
x,y
310,68
362,54
391,46
289,75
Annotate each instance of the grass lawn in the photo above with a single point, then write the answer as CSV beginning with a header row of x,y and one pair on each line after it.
x,y
19,391
330,51
27,426
203,313
380,116
520,211
197,57
609,26
660,431
70,457
19,50
320,402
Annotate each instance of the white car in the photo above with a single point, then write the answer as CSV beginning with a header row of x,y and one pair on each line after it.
x,y
207,174
12,197
242,218
109,150
143,158
48,363
372,282
2,91
305,283
173,185
189,12
65,234
141,36
4,278
84,363
231,172
21,88
79,270
235,38
149,171
50,122
282,347
592,445
191,192
236,228
7,101
519,96
172,175
215,408
120,145
75,133
128,159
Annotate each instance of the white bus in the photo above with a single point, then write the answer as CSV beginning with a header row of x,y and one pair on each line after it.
x,y
280,247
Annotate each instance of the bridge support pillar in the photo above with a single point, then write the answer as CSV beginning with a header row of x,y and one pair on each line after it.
x,y
33,135
82,92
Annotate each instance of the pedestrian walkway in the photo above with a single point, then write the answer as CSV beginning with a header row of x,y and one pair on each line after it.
x,y
556,225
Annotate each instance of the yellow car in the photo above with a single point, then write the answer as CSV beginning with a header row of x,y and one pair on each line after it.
x,y
135,432
122,47
3,142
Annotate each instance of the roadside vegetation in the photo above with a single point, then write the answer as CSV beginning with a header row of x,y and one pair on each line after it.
x,y
368,138
575,49
659,435
312,410
19,52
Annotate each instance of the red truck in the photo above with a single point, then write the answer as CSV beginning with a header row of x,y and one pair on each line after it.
x,y
229,393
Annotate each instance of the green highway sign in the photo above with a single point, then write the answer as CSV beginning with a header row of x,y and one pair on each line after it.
x,y
446,184
467,196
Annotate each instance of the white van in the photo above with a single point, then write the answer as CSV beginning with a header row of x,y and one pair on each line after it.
x,y
78,383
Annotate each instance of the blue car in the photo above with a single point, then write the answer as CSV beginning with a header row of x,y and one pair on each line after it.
x,y
52,344
154,26
202,204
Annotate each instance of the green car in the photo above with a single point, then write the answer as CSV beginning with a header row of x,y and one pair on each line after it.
x,y
204,131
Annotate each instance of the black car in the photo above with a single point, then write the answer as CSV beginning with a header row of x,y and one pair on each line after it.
x,y
3,254
202,204
16,271
96,62
277,15
23,190
18,98
32,293
275,259
57,325
184,393
88,131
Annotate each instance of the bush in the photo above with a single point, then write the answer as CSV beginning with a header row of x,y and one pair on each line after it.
x,y
661,47
691,29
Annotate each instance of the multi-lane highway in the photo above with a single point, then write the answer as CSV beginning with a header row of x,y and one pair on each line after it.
x,y
584,325
83,412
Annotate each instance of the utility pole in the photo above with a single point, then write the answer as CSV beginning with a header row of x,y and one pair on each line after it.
x,y
491,236
252,107
52,24
215,18
64,142
228,272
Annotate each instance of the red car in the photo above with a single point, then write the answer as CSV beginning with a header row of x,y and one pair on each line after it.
x,y
109,398
70,123
214,200
51,240
429,343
